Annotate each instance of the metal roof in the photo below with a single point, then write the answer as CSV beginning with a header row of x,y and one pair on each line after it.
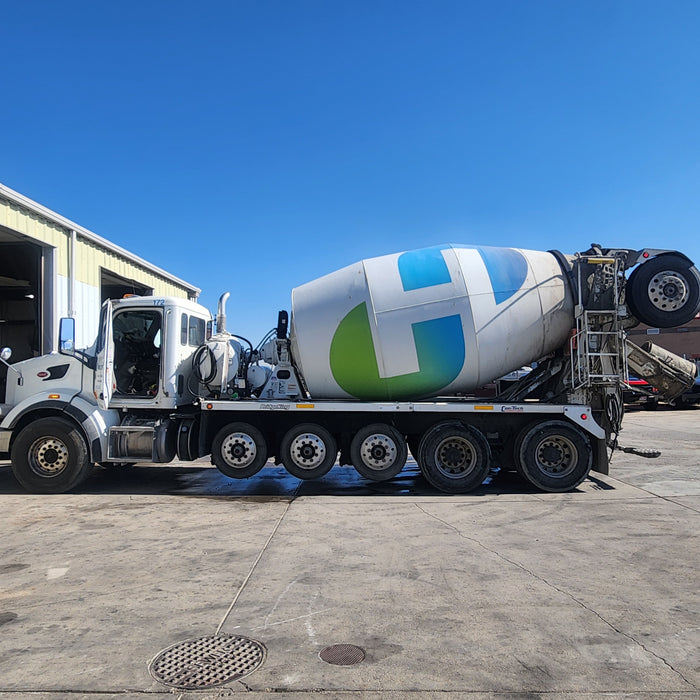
x,y
81,231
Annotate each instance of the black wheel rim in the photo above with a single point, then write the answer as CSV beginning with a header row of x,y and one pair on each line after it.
x,y
455,457
556,456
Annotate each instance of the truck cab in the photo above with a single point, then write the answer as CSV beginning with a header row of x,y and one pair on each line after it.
x,y
111,403
143,354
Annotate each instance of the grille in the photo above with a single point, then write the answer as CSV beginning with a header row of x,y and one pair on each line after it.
x,y
343,654
207,661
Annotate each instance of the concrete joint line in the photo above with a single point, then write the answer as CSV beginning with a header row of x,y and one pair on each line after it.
x,y
669,499
256,562
559,590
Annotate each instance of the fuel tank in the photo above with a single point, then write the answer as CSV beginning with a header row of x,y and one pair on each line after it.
x,y
435,321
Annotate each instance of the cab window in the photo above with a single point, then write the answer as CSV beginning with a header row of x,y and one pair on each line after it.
x,y
137,352
196,331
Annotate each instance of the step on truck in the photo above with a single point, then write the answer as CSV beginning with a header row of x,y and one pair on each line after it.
x,y
381,358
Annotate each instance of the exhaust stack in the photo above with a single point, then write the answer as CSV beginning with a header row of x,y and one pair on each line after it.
x,y
221,313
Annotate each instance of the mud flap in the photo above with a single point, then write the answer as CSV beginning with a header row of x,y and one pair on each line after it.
x,y
601,462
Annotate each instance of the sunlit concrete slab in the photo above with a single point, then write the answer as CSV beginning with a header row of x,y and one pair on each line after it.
x,y
501,592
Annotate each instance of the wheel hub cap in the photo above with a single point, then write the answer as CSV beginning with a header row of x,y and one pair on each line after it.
x,y
556,456
48,457
455,457
668,291
378,452
239,450
308,451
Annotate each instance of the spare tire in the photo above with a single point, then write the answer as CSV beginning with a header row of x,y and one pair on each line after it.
x,y
665,291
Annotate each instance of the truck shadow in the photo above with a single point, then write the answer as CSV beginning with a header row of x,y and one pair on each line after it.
x,y
271,483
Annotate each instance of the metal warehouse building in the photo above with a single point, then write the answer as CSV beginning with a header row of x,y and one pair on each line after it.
x,y
51,267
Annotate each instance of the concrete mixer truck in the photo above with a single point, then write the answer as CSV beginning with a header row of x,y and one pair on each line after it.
x,y
377,359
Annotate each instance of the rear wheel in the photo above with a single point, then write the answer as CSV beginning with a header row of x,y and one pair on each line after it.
x,y
664,291
378,452
50,455
308,451
239,450
454,458
554,456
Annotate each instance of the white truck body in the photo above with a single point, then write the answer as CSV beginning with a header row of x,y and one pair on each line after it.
x,y
382,356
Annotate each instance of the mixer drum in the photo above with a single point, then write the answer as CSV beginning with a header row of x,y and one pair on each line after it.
x,y
435,321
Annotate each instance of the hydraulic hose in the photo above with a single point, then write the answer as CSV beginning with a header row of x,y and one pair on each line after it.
x,y
197,364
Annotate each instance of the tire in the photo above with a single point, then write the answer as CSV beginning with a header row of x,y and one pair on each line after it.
x,y
664,292
554,456
239,450
378,452
50,455
454,458
308,451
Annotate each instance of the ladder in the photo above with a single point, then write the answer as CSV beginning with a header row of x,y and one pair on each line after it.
x,y
597,345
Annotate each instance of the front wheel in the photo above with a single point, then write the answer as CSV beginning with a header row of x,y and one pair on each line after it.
x,y
554,456
50,455
454,458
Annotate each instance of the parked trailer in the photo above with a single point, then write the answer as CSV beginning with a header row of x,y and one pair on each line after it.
x,y
381,358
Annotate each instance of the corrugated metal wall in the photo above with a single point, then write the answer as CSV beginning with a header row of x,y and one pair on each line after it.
x,y
90,259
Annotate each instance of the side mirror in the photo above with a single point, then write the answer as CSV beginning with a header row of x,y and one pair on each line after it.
x,y
66,335
5,355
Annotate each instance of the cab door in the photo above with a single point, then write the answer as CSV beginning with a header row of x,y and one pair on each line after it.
x,y
104,370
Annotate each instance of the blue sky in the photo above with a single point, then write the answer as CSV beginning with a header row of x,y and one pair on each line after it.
x,y
251,146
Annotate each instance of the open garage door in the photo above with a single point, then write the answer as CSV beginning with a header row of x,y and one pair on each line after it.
x,y
112,286
21,322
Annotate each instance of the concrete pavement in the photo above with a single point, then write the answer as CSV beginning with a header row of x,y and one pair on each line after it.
x,y
507,592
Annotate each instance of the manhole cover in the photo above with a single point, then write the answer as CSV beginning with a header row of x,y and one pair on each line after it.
x,y
342,654
207,661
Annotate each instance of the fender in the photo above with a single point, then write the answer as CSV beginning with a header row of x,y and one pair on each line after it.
x,y
575,414
641,256
40,400
94,421
96,424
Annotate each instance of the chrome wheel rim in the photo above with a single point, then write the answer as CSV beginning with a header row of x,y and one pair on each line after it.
x,y
668,291
378,452
48,457
307,451
239,450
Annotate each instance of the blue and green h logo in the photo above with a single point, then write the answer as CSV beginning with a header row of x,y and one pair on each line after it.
x,y
438,344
